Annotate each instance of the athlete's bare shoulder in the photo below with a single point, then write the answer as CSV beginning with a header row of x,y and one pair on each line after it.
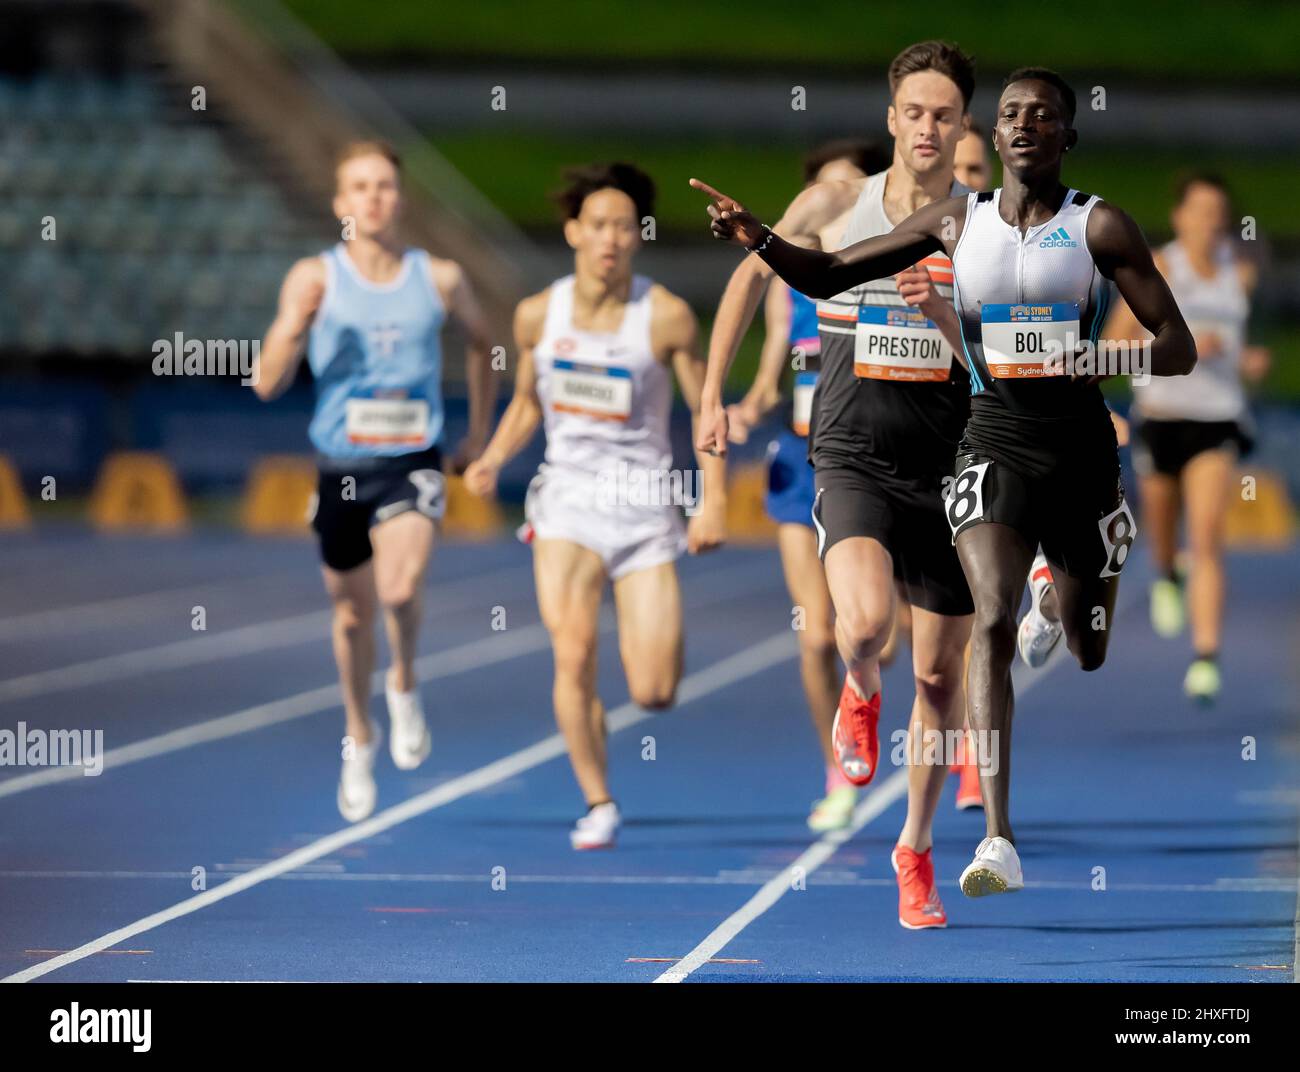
x,y
306,272
530,317
672,319
304,285
446,274
1112,233
820,205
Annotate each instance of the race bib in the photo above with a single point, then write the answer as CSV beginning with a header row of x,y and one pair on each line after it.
x,y
804,385
603,391
1019,338
383,418
899,344
1118,530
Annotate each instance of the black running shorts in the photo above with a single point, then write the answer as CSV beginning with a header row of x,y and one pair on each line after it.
x,y
908,519
1165,447
354,495
1077,513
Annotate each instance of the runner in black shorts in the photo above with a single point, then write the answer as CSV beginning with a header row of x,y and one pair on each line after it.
x,y
1033,263
889,408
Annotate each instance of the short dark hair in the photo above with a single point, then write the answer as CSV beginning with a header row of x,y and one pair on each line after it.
x,y
867,156
938,56
1044,74
976,129
1188,179
587,179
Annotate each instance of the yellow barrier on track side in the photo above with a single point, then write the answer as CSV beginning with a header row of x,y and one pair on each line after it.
x,y
278,496
138,491
13,503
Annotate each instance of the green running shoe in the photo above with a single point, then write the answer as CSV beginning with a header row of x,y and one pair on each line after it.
x,y
1202,681
834,811
1168,615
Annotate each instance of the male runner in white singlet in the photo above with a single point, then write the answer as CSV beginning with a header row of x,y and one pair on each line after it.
x,y
597,351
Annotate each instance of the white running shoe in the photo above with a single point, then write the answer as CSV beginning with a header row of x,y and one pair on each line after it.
x,y
410,742
1038,635
597,829
357,790
995,869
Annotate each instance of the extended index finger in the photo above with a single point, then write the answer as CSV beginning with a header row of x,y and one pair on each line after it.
x,y
717,195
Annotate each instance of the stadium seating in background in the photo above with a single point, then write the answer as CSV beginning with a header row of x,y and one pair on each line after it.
x,y
124,220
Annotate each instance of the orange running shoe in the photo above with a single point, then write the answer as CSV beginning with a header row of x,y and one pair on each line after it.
x,y
854,736
968,787
919,907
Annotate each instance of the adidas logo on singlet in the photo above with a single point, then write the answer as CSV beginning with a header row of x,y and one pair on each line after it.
x,y
1058,239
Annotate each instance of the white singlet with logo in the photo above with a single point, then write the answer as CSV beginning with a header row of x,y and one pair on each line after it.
x,y
605,397
1026,295
1218,306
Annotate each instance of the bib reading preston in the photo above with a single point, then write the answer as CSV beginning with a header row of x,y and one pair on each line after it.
x,y
899,344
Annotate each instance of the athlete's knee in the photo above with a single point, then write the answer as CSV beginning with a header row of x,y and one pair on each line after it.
x,y
1089,650
939,683
865,626
654,694
353,617
995,623
574,652
398,593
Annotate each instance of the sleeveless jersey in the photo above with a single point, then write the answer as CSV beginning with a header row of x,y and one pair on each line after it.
x,y
1212,391
375,351
605,397
1016,294
891,400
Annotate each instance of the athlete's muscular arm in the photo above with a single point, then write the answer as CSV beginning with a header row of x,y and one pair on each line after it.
x,y
821,275
524,413
673,330
1255,360
1121,253
917,288
813,209
459,298
285,340
765,392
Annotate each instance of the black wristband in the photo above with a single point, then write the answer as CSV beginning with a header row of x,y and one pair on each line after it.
x,y
767,240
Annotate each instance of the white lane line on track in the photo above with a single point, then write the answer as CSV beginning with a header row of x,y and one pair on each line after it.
x,y
206,648
104,612
874,803
470,656
498,647
752,660
737,878
824,848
